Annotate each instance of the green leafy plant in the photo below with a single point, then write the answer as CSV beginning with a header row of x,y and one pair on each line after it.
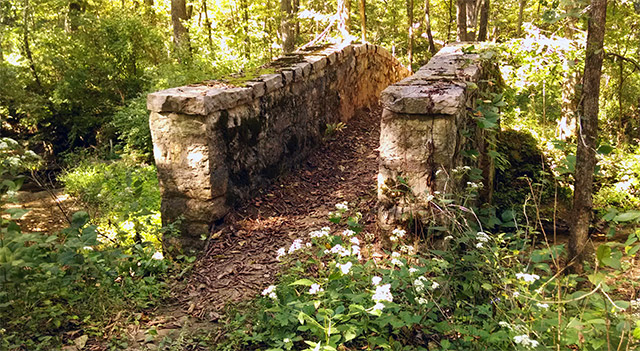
x,y
476,291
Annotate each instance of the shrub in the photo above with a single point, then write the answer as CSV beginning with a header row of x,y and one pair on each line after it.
x,y
124,199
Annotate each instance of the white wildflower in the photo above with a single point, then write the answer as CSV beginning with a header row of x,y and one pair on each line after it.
x,y
516,294
315,288
400,233
157,256
482,237
395,255
270,292
382,293
348,233
286,340
525,341
479,245
529,278
413,270
338,249
397,262
379,306
355,241
345,268
295,246
422,301
281,252
376,280
419,283
435,285
393,238
342,207
308,244
504,324
542,305
324,231
355,250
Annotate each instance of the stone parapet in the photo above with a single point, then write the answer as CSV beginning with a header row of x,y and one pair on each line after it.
x,y
216,143
426,126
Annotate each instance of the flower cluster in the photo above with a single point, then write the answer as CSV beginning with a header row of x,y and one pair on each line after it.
x,y
395,259
482,238
397,234
525,341
529,278
324,231
270,292
419,284
315,288
340,250
345,268
382,293
348,233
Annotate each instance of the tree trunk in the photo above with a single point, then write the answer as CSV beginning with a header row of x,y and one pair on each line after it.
x,y
296,9
207,22
245,20
586,153
484,20
27,49
410,34
363,20
286,33
427,27
523,4
180,32
461,17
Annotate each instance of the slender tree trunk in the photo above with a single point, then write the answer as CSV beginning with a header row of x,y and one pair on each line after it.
x,y
410,33
588,133
286,32
484,20
450,21
461,17
363,20
27,49
180,33
427,27
523,4
296,8
245,20
207,23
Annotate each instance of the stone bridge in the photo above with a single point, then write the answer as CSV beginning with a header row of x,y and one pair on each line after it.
x,y
216,143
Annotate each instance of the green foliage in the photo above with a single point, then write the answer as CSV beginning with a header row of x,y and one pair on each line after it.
x,y
124,199
476,291
52,284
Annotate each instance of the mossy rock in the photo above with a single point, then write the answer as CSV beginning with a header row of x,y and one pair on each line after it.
x,y
521,157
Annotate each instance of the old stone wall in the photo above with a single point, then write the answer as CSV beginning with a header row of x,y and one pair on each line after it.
x,y
215,144
427,124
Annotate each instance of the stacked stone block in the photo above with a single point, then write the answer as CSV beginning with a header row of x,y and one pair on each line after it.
x,y
426,125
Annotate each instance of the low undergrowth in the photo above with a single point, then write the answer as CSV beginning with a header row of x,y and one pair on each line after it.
x,y
68,287
476,291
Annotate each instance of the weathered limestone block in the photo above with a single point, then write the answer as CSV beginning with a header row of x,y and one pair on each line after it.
x,y
424,129
215,144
